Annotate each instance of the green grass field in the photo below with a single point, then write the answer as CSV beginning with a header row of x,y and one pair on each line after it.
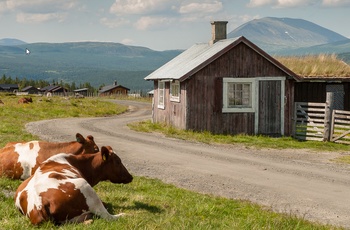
x,y
148,203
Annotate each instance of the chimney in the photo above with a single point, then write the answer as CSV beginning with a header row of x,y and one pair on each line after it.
x,y
115,82
218,31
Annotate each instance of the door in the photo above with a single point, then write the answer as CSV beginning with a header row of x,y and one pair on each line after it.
x,y
271,107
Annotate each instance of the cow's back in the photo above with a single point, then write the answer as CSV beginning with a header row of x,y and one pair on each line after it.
x,y
19,160
61,188
54,192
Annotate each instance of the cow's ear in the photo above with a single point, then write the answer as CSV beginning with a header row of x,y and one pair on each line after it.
x,y
79,138
104,153
91,138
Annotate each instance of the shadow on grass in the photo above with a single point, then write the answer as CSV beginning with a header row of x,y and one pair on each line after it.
x,y
137,206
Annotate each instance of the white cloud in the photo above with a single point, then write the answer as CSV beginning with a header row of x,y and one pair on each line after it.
x,y
37,11
203,7
42,6
38,18
139,6
336,3
127,41
154,23
114,23
298,3
257,3
295,3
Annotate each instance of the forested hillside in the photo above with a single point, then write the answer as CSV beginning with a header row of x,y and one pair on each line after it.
x,y
93,62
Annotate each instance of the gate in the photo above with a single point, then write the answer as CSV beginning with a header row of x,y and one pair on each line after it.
x,y
309,121
314,121
340,127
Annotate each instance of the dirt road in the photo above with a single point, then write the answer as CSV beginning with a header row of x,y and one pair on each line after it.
x,y
301,182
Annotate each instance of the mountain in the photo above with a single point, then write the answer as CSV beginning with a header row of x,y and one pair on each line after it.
x,y
280,35
339,48
99,63
11,42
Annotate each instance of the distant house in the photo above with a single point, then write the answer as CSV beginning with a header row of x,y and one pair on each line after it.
x,y
150,93
9,88
83,92
54,89
114,89
226,86
30,90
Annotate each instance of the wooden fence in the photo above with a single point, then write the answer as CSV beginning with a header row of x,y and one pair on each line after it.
x,y
318,122
340,127
309,121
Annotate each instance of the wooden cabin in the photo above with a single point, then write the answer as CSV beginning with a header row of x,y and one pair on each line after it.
x,y
113,89
318,75
30,90
9,88
226,86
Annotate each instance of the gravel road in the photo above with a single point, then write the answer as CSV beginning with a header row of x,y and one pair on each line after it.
x,y
301,182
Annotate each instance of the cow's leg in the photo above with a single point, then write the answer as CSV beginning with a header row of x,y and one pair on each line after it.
x,y
95,204
82,218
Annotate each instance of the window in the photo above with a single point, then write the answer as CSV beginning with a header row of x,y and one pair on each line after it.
x,y
238,95
161,93
175,91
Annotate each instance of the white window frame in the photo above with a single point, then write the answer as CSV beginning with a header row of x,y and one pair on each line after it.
x,y
238,109
175,91
161,94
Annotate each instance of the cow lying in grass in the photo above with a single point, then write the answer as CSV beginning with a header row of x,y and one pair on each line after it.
x,y
25,100
19,160
61,190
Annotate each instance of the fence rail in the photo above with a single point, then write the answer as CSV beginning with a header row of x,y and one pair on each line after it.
x,y
309,121
319,122
340,127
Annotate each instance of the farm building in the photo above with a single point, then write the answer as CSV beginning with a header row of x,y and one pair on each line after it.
x,y
114,89
54,90
226,86
318,75
8,88
30,90
81,92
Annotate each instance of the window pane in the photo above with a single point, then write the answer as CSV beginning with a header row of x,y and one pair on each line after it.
x,y
238,95
161,93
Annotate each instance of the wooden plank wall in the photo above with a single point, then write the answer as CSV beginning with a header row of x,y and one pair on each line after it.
x,y
204,92
201,102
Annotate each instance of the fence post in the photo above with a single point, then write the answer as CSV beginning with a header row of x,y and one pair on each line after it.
x,y
328,116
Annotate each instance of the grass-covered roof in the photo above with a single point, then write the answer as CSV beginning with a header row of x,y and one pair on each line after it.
x,y
317,66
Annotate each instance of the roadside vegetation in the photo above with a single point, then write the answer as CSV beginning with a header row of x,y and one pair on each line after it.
x,y
148,203
257,141
14,116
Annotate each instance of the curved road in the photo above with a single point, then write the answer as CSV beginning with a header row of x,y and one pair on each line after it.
x,y
301,182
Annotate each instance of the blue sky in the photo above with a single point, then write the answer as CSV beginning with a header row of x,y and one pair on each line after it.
x,y
157,24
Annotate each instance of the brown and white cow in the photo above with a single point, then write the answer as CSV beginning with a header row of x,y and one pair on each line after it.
x,y
25,100
19,160
61,190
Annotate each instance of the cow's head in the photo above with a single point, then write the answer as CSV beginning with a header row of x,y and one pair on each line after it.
x,y
89,145
113,168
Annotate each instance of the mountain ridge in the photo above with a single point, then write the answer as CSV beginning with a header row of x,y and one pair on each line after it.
x,y
101,63
278,35
11,42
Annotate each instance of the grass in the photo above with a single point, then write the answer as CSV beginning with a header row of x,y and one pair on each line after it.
x,y
323,65
14,116
258,141
151,204
148,203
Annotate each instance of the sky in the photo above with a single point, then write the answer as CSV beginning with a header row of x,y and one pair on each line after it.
x,y
156,24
